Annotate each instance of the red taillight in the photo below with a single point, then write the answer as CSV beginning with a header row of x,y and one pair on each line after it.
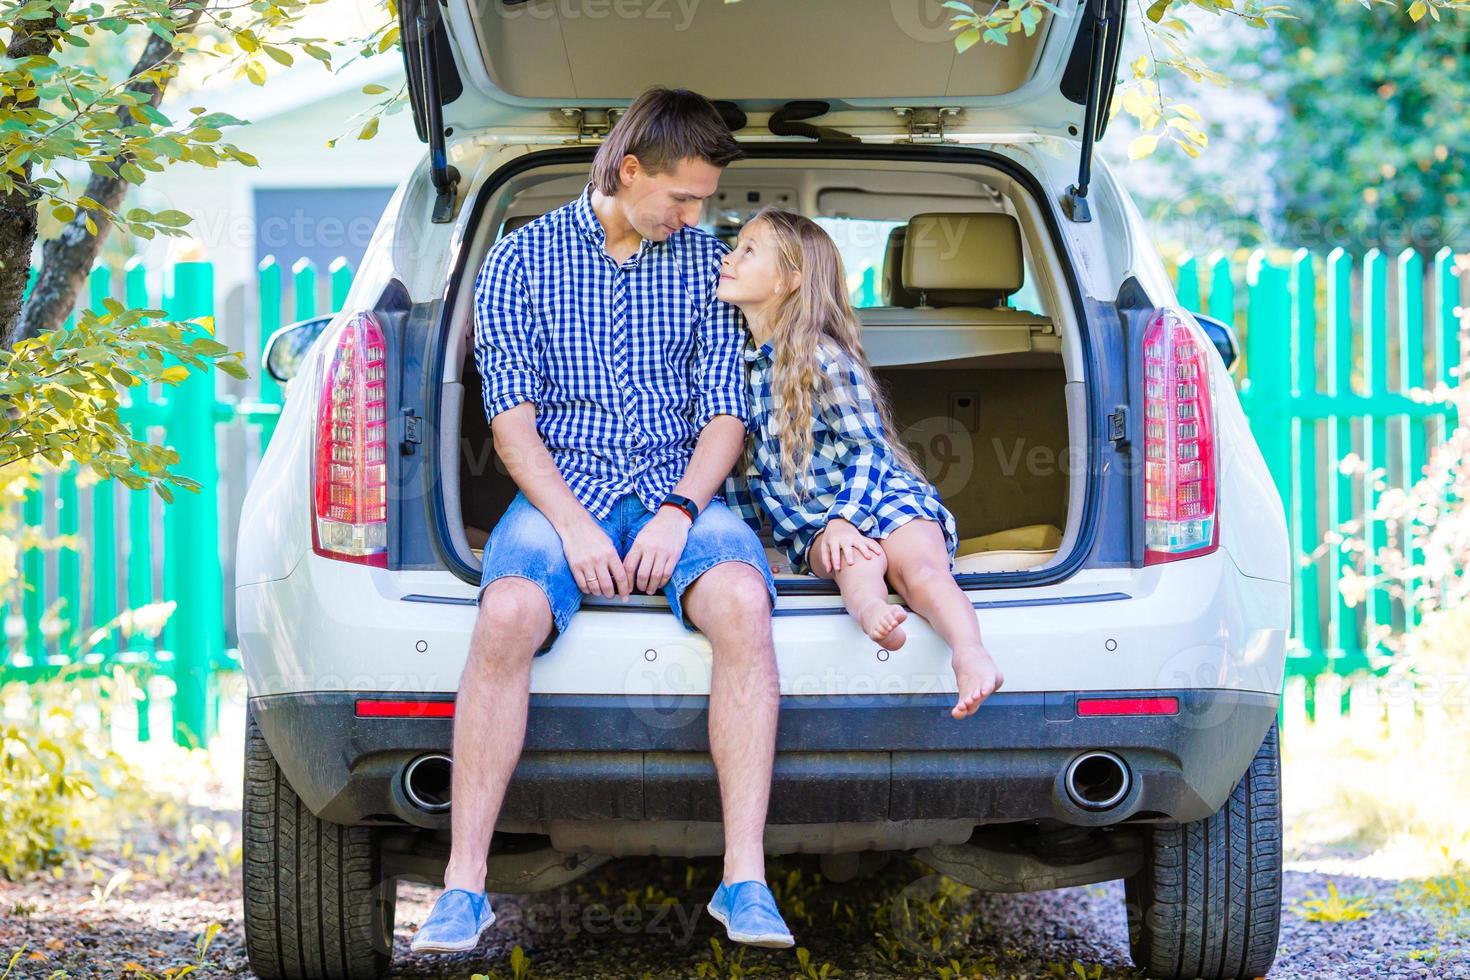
x,y
351,520
1179,457
386,708
1127,706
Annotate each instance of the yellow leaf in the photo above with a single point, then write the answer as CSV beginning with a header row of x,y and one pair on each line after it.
x,y
1417,10
255,72
175,374
1142,146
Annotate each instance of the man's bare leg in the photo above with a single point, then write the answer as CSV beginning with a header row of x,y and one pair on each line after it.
x,y
730,605
490,719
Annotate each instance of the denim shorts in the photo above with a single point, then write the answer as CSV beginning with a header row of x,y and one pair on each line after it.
x,y
524,544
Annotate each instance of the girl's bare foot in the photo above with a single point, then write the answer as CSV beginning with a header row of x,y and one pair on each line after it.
x,y
881,622
976,676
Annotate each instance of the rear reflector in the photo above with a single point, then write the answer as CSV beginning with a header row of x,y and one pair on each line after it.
x,y
1127,706
380,708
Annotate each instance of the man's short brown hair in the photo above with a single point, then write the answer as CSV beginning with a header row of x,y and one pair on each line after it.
x,y
662,127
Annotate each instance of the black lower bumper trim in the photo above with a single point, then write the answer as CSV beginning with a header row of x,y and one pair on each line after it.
x,y
840,758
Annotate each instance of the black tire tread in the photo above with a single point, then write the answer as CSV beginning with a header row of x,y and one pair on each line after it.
x,y
1207,903
316,904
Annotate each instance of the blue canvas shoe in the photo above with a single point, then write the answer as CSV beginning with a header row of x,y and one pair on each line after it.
x,y
456,923
747,910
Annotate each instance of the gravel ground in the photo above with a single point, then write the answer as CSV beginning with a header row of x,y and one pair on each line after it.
x,y
636,918
610,924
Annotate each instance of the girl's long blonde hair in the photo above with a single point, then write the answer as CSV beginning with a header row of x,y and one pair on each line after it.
x,y
814,313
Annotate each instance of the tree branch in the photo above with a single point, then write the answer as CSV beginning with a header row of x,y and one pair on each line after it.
x,y
28,39
67,259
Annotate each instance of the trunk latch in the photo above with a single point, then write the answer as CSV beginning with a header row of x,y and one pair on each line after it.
x,y
1118,427
410,430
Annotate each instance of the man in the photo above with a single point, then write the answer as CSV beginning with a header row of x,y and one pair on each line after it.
x,y
615,387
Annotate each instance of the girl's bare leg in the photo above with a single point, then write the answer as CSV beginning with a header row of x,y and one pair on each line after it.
x,y
918,567
865,594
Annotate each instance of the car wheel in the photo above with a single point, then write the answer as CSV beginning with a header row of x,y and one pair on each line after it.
x,y
1207,902
316,903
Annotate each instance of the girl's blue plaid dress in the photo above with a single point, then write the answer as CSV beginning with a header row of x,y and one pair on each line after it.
x,y
853,475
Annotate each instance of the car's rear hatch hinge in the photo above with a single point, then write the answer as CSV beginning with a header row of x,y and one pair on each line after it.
x,y
420,20
926,125
592,124
1107,28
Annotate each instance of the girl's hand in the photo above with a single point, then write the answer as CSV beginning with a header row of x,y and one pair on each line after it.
x,y
842,543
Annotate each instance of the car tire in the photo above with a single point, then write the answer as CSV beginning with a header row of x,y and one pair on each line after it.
x,y
1207,902
316,903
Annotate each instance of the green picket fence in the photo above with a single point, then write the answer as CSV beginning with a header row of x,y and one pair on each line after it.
x,y
1331,346
132,550
1331,350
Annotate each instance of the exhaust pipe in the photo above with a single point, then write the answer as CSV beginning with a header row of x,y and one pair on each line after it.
x,y
1097,780
426,782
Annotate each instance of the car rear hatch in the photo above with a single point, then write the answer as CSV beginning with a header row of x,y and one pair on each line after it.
x,y
519,64
862,69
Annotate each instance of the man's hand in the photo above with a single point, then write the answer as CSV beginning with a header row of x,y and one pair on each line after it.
x,y
842,543
656,549
594,560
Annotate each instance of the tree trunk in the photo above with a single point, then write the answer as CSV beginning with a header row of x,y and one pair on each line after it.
x,y
67,259
28,38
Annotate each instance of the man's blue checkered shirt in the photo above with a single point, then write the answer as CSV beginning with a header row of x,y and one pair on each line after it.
x,y
625,364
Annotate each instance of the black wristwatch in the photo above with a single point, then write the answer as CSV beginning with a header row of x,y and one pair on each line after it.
x,y
689,507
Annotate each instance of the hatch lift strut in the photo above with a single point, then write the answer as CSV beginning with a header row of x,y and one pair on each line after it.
x,y
1107,19
421,18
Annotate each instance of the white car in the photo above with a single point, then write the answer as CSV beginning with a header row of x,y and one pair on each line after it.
x,y
1125,547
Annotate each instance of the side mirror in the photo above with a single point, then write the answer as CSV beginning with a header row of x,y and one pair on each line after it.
x,y
1222,336
286,347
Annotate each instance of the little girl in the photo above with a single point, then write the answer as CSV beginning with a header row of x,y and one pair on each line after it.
x,y
845,498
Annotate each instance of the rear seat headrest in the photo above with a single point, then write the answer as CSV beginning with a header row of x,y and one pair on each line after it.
x,y
891,288
515,221
957,257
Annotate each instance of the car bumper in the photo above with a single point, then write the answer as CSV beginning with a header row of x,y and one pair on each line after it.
x,y
840,759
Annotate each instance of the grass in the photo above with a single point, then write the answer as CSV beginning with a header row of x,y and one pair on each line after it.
x,y
1380,796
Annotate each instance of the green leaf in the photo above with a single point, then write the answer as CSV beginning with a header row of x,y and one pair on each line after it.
x,y
153,115
966,40
174,219
1142,146
369,129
